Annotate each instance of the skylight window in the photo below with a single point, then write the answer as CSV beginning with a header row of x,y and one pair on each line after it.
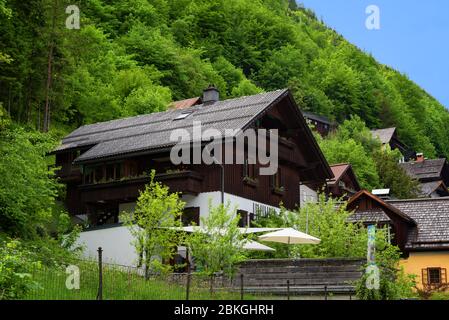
x,y
183,115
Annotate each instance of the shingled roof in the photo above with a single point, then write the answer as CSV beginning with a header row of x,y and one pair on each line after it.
x,y
384,135
427,170
152,131
317,117
432,218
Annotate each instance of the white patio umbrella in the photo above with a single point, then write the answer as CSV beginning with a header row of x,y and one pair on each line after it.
x,y
256,246
289,236
191,229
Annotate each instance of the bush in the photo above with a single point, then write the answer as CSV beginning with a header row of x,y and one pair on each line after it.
x,y
15,270
394,283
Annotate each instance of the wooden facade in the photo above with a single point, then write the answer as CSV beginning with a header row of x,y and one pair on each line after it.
x,y
96,188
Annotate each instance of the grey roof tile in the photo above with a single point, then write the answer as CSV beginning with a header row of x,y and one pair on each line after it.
x,y
384,135
432,218
152,131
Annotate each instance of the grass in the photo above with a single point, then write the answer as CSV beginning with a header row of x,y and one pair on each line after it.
x,y
120,284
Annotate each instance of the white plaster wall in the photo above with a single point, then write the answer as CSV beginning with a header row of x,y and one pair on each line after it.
x,y
202,201
116,241
307,194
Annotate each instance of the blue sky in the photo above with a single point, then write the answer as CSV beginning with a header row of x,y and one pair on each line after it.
x,y
413,36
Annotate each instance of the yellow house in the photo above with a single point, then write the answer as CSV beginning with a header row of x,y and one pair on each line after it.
x,y
419,227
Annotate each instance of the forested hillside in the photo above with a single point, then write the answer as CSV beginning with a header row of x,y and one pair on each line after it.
x,y
134,57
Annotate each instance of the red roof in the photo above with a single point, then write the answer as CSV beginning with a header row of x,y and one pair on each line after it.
x,y
187,103
338,170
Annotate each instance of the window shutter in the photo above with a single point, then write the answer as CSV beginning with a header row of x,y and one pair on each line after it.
x,y
443,276
425,277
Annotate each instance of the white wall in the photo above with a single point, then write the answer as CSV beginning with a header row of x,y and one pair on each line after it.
x,y
307,194
116,241
202,201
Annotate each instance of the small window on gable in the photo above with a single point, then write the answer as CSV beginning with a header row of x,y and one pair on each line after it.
x,y
183,115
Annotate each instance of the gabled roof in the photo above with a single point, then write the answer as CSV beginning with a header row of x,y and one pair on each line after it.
x,y
384,135
426,170
186,103
427,188
390,209
369,216
339,170
432,218
316,117
151,132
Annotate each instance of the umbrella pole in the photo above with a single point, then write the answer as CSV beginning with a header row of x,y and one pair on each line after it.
x,y
288,248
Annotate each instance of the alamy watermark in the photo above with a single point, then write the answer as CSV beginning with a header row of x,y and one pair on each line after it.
x,y
73,20
72,281
372,22
262,147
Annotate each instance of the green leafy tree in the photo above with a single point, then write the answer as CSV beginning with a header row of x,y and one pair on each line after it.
x,y
327,220
395,177
218,247
153,226
350,151
15,270
394,283
28,188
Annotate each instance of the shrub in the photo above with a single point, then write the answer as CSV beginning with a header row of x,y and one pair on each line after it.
x,y
15,270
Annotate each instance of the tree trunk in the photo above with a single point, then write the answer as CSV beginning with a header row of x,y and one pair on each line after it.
x,y
49,70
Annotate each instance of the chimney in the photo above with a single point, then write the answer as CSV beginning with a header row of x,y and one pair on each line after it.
x,y
420,157
211,95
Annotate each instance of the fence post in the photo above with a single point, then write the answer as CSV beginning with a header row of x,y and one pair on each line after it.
x,y
241,286
100,274
188,285
288,289
325,292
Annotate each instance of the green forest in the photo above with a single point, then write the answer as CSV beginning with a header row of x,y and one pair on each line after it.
x,y
132,57
135,57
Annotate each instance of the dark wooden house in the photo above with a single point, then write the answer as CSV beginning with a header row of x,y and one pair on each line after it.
x,y
433,176
389,136
105,165
344,184
321,124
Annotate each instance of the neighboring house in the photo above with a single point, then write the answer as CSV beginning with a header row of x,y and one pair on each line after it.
x,y
186,103
433,175
105,165
344,184
389,137
419,227
321,124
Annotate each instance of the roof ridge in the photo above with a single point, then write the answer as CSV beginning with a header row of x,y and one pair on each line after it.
x,y
71,135
419,199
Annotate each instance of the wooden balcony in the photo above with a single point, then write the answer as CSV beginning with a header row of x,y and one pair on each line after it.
x,y
187,182
69,173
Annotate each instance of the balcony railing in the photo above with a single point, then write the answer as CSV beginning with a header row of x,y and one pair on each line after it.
x,y
189,182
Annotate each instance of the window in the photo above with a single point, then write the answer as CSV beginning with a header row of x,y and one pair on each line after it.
x,y
434,277
113,171
99,174
88,175
110,172
191,216
246,218
183,115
